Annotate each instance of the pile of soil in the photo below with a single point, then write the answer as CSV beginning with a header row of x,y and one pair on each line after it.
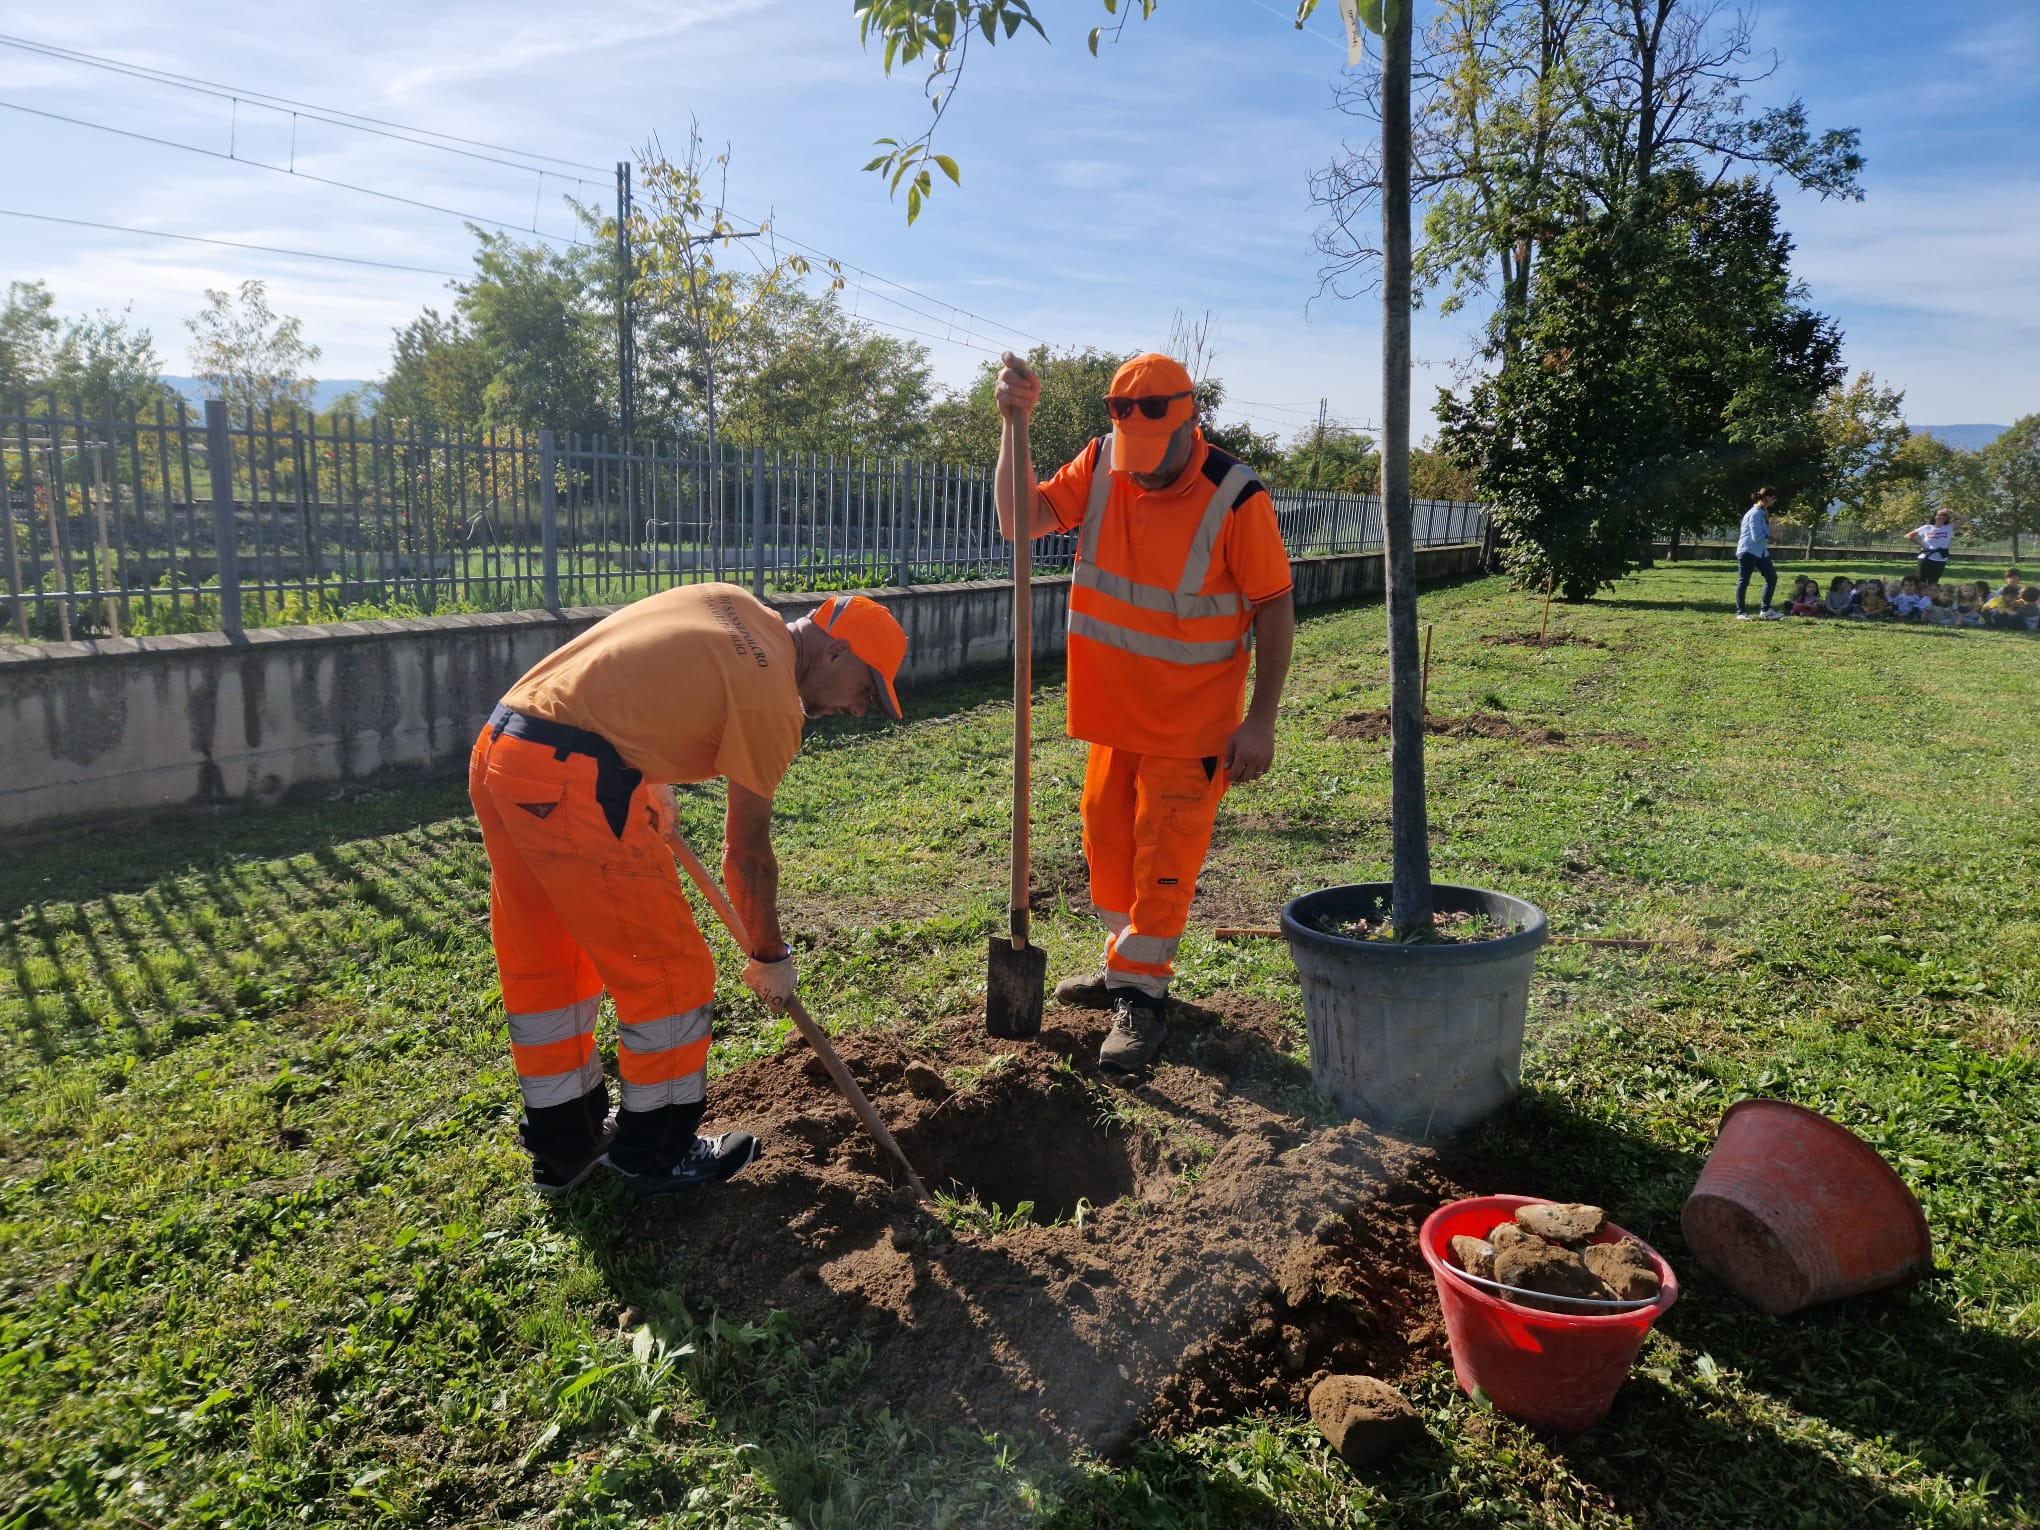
x,y
1372,727
1197,1250
1532,640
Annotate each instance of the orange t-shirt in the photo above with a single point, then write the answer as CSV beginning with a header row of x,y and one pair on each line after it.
x,y
688,684
1151,705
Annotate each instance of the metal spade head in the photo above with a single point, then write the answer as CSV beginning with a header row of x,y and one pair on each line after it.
x,y
1015,982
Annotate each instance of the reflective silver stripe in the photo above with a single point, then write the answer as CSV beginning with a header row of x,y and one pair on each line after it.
x,y
1153,598
1094,507
561,1088
545,1026
691,1090
1152,949
671,1031
1182,601
1198,564
1175,650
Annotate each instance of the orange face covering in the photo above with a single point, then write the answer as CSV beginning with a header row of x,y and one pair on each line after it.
x,y
1139,443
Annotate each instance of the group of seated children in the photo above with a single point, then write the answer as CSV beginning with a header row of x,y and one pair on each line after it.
x,y
2014,606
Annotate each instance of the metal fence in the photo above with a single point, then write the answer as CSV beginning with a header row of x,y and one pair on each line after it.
x,y
171,521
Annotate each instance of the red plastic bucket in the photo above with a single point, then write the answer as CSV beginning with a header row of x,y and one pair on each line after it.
x,y
1792,1209
1552,1370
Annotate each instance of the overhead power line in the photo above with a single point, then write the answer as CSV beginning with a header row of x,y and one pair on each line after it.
x,y
232,244
302,175
354,120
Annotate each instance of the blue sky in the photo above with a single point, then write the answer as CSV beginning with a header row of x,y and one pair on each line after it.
x,y
1099,196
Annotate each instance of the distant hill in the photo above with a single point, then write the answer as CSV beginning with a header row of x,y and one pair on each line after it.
x,y
323,393
1964,437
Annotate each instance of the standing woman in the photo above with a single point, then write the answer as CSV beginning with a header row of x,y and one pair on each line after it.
x,y
1933,539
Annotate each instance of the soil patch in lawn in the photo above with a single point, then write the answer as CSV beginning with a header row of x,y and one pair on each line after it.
x,y
1372,727
1193,1250
1533,640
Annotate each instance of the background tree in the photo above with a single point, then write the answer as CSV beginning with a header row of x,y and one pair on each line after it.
x,y
250,356
1925,475
2011,474
1333,456
802,375
1675,365
547,338
1862,426
440,371
102,362
1074,382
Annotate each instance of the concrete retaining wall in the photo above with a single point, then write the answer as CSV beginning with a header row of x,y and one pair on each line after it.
x,y
150,724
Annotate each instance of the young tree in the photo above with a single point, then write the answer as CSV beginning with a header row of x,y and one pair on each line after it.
x,y
697,309
248,355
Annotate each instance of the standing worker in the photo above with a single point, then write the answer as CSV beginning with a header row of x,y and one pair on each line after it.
x,y
1178,560
1753,556
570,781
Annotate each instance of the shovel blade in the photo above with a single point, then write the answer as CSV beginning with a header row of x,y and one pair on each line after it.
x,y
1014,987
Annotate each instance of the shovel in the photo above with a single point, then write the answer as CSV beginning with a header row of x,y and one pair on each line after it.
x,y
1017,970
810,1032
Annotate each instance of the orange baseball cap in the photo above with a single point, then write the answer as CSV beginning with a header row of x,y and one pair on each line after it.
x,y
874,635
1139,443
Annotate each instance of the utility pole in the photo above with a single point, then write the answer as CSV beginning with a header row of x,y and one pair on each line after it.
x,y
1317,455
626,337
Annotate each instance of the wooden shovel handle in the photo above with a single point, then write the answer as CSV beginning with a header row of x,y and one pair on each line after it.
x,y
1015,425
810,1032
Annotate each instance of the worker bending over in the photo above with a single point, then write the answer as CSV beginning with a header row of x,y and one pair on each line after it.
x,y
571,782
1178,560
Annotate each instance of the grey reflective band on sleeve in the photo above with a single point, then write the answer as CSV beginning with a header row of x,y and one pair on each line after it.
x,y
1174,650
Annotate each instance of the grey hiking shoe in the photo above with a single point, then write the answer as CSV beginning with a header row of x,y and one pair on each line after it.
x,y
551,1177
707,1161
1087,991
1138,1031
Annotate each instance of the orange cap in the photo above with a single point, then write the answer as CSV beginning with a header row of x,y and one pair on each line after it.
x,y
874,635
1138,443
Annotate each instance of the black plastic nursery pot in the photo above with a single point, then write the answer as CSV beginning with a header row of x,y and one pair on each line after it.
x,y
1421,1040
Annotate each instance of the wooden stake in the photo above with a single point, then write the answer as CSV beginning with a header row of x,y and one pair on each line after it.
x,y
1541,626
1424,686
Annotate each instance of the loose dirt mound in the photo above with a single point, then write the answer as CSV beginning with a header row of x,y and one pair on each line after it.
x,y
1196,1249
1369,727
1532,640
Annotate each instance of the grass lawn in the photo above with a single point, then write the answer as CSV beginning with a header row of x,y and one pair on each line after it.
x,y
266,1256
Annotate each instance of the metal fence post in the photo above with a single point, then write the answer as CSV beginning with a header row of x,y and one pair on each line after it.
x,y
548,522
219,451
758,521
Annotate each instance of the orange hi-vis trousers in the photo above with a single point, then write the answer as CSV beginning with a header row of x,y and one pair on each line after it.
x,y
1147,826
576,905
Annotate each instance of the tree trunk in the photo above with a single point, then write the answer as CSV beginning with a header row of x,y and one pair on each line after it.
x,y
1408,823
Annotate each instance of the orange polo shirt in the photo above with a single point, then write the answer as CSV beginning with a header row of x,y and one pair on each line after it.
x,y
1152,705
688,684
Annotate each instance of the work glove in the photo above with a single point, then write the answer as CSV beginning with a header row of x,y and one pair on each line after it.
x,y
772,981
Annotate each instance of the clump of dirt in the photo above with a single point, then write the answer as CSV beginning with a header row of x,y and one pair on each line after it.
x,y
1550,1248
1533,640
1371,727
1456,928
1193,1248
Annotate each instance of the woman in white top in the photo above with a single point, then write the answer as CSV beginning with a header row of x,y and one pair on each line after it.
x,y
1933,539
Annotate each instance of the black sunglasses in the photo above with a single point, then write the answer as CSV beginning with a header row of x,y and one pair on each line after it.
x,y
1153,405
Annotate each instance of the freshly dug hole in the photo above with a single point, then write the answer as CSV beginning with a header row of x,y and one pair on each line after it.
x,y
1183,1299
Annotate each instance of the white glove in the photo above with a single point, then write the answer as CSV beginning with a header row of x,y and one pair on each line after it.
x,y
772,981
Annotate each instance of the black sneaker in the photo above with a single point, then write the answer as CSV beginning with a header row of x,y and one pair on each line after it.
x,y
1138,1031
551,1177
707,1161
